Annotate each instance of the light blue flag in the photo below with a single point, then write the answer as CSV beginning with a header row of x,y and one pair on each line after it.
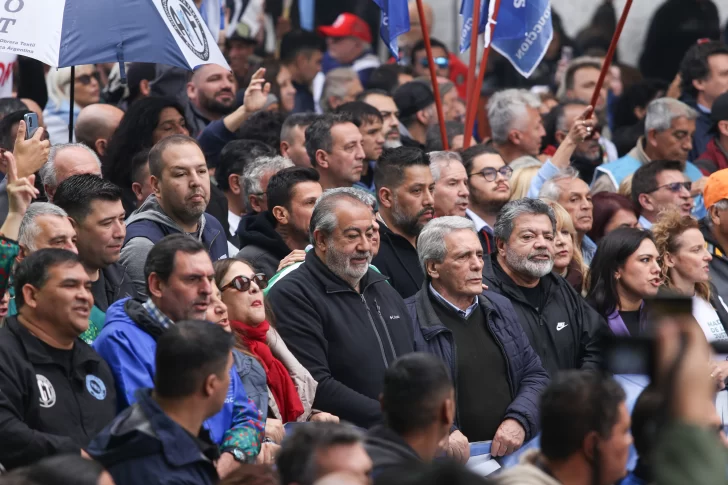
x,y
306,10
523,33
395,22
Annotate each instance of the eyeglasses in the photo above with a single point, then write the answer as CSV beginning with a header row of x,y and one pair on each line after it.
x,y
441,62
242,283
674,187
490,174
85,79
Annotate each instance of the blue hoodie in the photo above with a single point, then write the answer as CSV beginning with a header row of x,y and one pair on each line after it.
x,y
128,343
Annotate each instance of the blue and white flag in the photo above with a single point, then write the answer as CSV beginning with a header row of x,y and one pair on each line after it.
x,y
395,22
523,34
466,12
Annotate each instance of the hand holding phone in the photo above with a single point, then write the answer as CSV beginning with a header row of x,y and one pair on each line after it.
x,y
31,125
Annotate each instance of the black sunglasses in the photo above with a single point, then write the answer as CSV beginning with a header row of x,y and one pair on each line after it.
x,y
242,283
85,79
674,187
490,174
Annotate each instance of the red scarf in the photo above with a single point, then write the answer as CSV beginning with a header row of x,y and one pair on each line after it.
x,y
279,380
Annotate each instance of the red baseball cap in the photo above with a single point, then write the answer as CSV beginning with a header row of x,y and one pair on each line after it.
x,y
348,25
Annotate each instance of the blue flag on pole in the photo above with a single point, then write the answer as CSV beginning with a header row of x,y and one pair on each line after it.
x,y
466,12
524,32
395,22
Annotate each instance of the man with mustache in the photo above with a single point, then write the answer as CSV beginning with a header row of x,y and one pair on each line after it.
x,y
57,393
338,316
478,336
405,189
179,275
211,91
451,184
565,332
181,186
489,183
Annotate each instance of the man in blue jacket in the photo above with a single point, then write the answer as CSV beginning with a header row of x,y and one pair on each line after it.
x,y
498,376
179,275
160,439
181,184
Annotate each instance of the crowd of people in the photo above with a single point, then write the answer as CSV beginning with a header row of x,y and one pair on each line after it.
x,y
280,275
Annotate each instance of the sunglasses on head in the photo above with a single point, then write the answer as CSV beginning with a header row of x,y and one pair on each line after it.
x,y
85,79
674,187
242,283
441,62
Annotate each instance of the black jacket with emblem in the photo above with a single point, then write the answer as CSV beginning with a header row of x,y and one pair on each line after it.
x,y
566,333
43,410
344,338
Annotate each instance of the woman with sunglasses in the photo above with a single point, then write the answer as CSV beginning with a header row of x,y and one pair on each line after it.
x,y
292,389
87,90
625,270
567,262
686,270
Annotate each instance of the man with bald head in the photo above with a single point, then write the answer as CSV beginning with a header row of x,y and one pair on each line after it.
x,y
211,93
95,125
66,160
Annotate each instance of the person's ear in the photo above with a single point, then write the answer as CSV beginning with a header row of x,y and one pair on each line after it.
x,y
386,198
30,295
699,84
100,146
514,136
646,202
723,127
191,91
285,146
423,117
145,88
432,271
652,138
155,183
156,285
639,112
254,201
281,215
137,188
669,260
591,441
500,246
319,240
322,159
49,191
714,215
210,385
448,411
234,182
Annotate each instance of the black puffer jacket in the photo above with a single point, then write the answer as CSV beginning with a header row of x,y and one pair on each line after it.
x,y
398,259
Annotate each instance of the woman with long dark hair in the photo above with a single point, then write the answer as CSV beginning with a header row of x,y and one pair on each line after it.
x,y
148,121
625,270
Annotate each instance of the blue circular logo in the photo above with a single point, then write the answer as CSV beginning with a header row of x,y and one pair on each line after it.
x,y
96,387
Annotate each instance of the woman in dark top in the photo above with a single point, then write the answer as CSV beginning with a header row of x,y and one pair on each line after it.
x,y
624,271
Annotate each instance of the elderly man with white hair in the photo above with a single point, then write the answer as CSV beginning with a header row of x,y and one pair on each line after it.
x,y
478,335
573,194
66,160
516,124
341,86
563,329
451,184
669,129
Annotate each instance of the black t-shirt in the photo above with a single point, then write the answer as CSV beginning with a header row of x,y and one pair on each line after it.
x,y
62,357
534,295
98,290
631,321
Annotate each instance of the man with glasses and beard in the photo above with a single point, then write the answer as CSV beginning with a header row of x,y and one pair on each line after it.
x,y
490,189
565,332
339,317
405,190
211,91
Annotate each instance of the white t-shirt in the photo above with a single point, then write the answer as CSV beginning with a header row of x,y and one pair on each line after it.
x,y
708,320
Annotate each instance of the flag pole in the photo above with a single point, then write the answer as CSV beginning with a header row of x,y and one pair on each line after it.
x,y
433,74
72,101
475,27
474,96
610,53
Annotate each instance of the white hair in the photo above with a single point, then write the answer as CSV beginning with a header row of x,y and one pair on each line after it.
x,y
551,190
440,160
508,109
324,218
431,241
58,82
336,85
663,111
254,172
48,175
29,228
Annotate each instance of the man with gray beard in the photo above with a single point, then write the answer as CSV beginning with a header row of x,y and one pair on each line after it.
x,y
565,331
340,318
